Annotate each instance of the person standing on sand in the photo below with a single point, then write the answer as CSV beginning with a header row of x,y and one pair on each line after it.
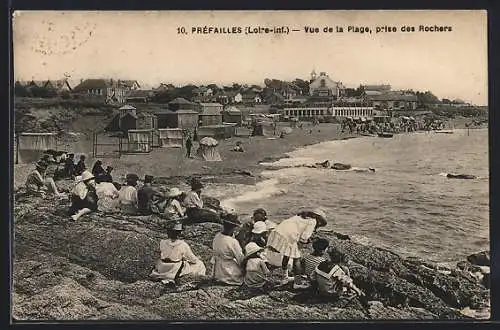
x,y
189,145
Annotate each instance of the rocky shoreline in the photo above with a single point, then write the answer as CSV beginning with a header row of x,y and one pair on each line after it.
x,y
97,269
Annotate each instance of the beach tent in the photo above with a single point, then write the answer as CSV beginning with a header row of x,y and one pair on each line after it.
x,y
31,146
140,140
208,150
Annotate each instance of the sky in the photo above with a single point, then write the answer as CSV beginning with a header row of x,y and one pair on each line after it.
x,y
147,47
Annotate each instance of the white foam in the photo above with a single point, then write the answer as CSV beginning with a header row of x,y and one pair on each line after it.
x,y
261,190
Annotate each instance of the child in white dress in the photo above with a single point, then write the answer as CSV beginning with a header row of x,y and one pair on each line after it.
x,y
285,238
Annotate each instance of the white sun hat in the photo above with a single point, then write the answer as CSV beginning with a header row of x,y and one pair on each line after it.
x,y
259,227
86,176
174,192
251,248
320,212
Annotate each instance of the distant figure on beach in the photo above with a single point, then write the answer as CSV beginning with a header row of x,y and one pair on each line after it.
x,y
107,194
238,147
189,145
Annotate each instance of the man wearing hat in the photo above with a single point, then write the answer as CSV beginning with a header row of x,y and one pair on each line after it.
x,y
145,196
36,182
83,196
228,254
195,211
127,198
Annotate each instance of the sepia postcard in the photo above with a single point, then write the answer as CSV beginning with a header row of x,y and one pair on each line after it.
x,y
250,165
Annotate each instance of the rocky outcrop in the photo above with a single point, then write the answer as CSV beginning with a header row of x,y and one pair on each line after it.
x,y
98,267
480,258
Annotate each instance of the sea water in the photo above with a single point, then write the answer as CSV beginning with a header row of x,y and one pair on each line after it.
x,y
408,205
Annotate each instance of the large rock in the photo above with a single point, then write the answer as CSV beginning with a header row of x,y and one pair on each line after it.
x,y
480,258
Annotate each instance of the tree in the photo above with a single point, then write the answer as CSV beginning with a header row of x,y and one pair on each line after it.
x,y
20,90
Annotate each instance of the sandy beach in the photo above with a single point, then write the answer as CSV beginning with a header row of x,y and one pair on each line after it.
x,y
171,164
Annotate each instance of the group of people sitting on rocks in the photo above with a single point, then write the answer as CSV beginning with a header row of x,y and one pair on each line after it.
x,y
245,255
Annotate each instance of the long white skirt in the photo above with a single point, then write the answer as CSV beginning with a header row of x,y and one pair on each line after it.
x,y
284,246
167,271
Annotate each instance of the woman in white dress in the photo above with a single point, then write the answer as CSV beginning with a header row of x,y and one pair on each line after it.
x,y
228,255
177,259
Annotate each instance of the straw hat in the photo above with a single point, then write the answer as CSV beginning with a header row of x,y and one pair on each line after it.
x,y
86,176
259,227
174,192
252,248
320,213
232,218
270,225
177,226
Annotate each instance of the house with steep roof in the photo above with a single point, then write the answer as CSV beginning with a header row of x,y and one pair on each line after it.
x,y
58,86
325,87
210,114
111,90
